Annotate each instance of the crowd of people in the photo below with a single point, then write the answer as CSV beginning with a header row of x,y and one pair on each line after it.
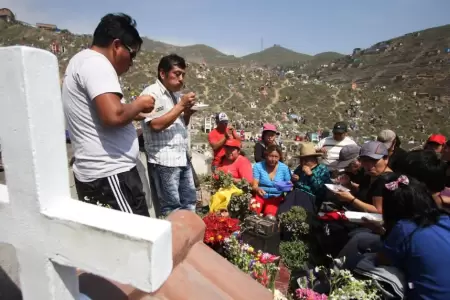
x,y
409,189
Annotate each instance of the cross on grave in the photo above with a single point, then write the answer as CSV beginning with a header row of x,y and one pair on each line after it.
x,y
52,233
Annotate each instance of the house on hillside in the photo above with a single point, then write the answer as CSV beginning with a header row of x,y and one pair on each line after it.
x,y
7,15
49,27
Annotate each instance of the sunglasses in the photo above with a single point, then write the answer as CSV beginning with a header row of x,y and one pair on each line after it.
x,y
132,52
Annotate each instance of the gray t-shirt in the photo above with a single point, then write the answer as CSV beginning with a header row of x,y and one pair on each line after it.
x,y
100,151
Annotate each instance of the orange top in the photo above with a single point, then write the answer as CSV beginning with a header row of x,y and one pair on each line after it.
x,y
241,168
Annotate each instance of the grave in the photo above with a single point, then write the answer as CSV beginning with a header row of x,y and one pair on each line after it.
x,y
51,233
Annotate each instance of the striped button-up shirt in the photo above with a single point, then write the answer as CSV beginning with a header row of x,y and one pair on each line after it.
x,y
168,147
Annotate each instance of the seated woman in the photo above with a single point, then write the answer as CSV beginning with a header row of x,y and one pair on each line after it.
x,y
310,176
417,239
374,159
265,174
234,163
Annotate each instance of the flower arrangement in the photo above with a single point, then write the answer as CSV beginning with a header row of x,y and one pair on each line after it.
x,y
238,207
261,266
342,285
218,228
308,294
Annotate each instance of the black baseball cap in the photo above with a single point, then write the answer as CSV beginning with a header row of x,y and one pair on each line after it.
x,y
340,127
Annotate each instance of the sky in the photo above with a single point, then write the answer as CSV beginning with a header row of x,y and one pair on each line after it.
x,y
237,26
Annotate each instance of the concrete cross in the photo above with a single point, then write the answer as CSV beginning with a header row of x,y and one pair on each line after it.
x,y
52,233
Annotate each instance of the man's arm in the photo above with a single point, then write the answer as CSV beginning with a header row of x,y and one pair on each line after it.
x,y
215,145
160,123
114,113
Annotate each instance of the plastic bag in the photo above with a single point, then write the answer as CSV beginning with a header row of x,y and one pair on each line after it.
x,y
219,201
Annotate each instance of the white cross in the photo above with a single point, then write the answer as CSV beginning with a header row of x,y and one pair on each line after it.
x,y
52,233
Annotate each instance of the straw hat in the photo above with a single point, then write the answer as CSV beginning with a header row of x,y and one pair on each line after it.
x,y
307,149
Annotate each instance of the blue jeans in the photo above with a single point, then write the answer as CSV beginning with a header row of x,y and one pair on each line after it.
x,y
174,187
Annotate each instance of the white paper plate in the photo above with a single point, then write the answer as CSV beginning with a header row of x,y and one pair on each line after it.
x,y
356,217
199,106
336,187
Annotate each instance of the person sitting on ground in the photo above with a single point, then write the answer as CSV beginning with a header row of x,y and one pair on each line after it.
x,y
268,137
435,142
392,142
311,176
218,136
374,159
416,232
425,166
234,163
347,168
265,174
331,146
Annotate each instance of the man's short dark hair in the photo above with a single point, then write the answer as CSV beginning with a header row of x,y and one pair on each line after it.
x,y
168,62
117,26
425,166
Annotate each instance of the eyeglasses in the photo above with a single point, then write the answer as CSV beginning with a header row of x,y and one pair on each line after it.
x,y
131,51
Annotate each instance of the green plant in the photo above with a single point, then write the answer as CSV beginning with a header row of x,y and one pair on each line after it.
x,y
294,254
295,222
342,284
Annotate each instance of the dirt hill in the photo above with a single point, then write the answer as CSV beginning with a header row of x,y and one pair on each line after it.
x,y
277,55
297,101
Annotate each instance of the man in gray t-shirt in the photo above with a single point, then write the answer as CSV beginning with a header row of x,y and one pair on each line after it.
x,y
102,135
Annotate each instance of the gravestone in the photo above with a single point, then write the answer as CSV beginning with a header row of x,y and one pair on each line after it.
x,y
51,233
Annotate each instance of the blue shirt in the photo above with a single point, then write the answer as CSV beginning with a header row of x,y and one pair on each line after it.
x,y
265,183
423,254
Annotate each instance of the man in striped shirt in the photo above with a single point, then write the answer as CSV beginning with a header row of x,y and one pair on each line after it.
x,y
332,145
166,138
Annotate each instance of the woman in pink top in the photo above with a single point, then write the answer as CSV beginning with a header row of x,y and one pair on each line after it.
x,y
234,163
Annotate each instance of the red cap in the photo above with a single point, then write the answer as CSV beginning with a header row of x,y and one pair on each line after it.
x,y
437,138
233,143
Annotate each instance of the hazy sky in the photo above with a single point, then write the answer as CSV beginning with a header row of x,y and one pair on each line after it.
x,y
237,26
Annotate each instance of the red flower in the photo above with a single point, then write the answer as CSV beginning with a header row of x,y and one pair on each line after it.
x,y
219,228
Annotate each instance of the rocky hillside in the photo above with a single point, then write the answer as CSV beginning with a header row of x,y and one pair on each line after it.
x,y
298,102
416,62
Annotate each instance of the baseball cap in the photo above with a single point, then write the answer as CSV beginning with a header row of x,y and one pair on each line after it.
x,y
387,137
270,127
347,154
233,143
221,117
340,127
373,149
437,138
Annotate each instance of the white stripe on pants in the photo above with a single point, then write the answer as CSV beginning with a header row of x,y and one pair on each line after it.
x,y
120,198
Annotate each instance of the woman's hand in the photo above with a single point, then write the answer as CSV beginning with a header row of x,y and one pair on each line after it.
x,y
307,170
260,192
345,196
295,177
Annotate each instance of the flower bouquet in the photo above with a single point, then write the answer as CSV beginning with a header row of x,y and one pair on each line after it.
x,y
218,228
261,266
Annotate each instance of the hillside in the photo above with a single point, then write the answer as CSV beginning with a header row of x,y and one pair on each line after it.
x,y
296,102
415,62
194,53
276,55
